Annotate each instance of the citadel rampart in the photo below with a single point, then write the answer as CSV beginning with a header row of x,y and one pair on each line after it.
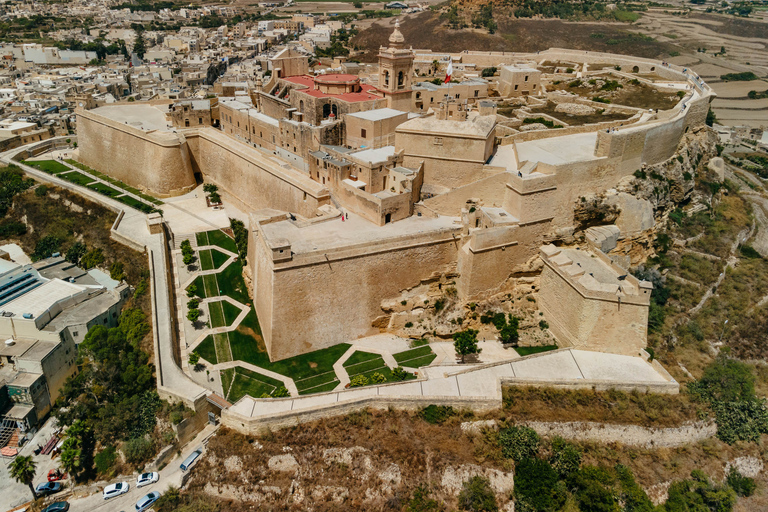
x,y
155,161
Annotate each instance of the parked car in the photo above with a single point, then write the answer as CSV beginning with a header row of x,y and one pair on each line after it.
x,y
147,501
48,488
55,475
191,459
147,478
59,506
117,489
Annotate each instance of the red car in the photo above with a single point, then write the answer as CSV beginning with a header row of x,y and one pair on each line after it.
x,y
55,475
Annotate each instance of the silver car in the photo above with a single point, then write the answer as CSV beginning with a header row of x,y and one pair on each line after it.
x,y
147,501
146,479
117,489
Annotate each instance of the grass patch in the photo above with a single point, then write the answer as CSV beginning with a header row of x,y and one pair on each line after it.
x,y
550,404
115,182
218,258
247,382
226,380
77,178
401,357
232,284
49,166
216,314
223,350
367,366
207,350
202,238
526,351
330,386
221,239
135,203
206,262
104,189
418,362
360,357
210,286
230,312
317,384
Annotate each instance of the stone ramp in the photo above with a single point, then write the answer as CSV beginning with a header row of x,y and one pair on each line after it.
x,y
477,388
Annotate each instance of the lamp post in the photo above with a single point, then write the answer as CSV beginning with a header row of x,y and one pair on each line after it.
x,y
725,324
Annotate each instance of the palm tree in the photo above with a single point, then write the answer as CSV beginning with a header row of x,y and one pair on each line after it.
x,y
70,462
23,470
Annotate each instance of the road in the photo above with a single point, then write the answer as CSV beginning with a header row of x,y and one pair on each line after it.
x,y
169,475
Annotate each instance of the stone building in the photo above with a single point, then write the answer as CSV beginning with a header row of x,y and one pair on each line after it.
x,y
191,113
372,129
607,308
396,71
427,95
519,81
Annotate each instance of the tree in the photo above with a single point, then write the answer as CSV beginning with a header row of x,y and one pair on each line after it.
x,y
116,271
209,188
193,303
23,470
194,358
139,46
518,443
358,381
191,290
188,259
75,252
508,333
478,496
70,460
280,392
465,343
215,198
193,315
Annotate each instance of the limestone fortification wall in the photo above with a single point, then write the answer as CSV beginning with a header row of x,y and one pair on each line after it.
x,y
155,161
338,292
251,176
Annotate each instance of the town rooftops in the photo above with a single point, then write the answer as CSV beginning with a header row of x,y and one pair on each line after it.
x,y
307,81
475,127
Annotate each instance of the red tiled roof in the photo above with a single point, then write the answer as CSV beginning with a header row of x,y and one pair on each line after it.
x,y
352,97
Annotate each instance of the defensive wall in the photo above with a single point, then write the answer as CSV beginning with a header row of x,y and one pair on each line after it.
x,y
314,285
156,161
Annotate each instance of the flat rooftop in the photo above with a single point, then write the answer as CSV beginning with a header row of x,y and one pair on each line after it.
x,y
37,301
579,147
597,275
374,156
377,114
144,117
355,230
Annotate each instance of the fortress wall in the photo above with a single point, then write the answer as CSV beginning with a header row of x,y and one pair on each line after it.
x,y
490,190
374,208
590,323
491,255
154,161
336,295
251,176
260,259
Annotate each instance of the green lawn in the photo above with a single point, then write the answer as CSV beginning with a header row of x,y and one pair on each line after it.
x,y
373,364
219,258
207,350
223,351
230,313
198,284
78,178
526,351
232,284
415,358
104,189
247,382
135,203
358,357
211,285
226,380
49,166
216,314
206,262
217,237
115,182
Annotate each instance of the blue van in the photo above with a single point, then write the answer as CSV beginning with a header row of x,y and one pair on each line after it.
x,y
191,459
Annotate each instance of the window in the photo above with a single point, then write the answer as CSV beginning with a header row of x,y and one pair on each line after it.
x,y
476,93
186,122
534,87
362,132
516,86
458,96
386,77
526,78
199,120
74,334
438,141
400,79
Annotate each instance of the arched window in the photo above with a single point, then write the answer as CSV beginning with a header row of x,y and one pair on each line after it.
x,y
635,69
326,110
301,106
386,77
400,78
334,110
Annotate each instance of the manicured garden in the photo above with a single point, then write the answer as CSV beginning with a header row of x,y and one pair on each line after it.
x,y
212,259
367,364
217,237
222,313
113,181
49,166
415,358
104,189
241,381
78,178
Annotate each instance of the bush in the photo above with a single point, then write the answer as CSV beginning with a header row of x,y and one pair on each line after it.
x,y
398,373
215,198
535,483
593,490
743,486
176,417
41,191
105,459
12,228
634,497
358,381
725,380
566,457
191,290
436,414
488,72
408,325
209,188
421,502
518,443
241,237
92,258
116,271
193,359
378,378
187,259
45,247
478,496
280,392
543,324
193,303
75,252
699,494
137,450
193,315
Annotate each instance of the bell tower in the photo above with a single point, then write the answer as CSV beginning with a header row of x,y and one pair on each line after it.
x,y
396,71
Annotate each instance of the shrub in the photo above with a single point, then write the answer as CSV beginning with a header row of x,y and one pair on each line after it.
x,y
209,188
543,324
488,72
194,358
137,450
378,378
105,459
535,485
41,191
358,381
215,198
193,303
241,237
478,496
191,290
92,258
518,443
12,228
749,252
640,174
421,502
566,457
439,304
193,315
592,487
633,496
188,259
743,486
436,414
575,83
408,325
598,99
699,494
116,271
398,373
725,380
45,247
280,392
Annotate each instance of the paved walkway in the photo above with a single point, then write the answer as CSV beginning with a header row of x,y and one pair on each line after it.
x,y
564,367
